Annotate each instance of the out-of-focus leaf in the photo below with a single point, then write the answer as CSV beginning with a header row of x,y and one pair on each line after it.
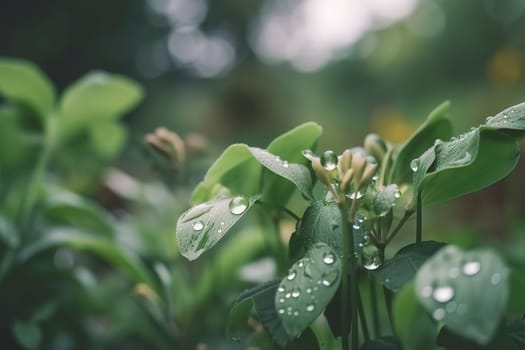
x,y
412,324
23,82
8,233
107,249
437,126
28,334
96,97
466,291
402,268
308,288
202,226
107,138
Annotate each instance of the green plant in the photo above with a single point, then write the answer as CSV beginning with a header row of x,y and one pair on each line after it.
x,y
435,294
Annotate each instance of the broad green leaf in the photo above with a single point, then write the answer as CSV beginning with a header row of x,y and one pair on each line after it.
x,y
321,222
298,174
413,326
22,81
289,147
383,343
107,138
437,126
13,146
63,207
466,291
402,268
309,286
237,160
240,310
472,161
96,97
386,199
202,226
28,334
107,249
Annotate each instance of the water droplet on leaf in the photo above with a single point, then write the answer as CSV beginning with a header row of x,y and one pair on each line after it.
x,y
471,268
308,154
285,164
198,225
282,311
291,276
296,293
329,259
310,307
371,257
329,278
238,205
329,160
438,314
414,164
443,294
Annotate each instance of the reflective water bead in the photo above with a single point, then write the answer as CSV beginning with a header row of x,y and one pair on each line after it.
x,y
308,154
443,294
198,225
285,164
282,311
471,268
329,160
371,256
438,314
291,276
310,307
280,289
238,205
296,293
329,259
414,164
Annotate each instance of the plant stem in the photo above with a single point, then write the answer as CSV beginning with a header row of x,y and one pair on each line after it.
x,y
388,303
400,224
349,285
375,310
419,219
362,316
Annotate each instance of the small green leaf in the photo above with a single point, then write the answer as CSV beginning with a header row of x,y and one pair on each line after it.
x,y
96,97
298,174
402,268
22,81
386,199
107,138
412,324
309,286
467,291
202,226
437,126
28,334
107,249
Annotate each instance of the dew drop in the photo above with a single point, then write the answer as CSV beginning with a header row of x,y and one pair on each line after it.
x,y
296,293
285,164
329,160
280,289
282,311
281,300
443,294
414,164
222,223
371,257
219,230
495,278
329,259
426,291
291,276
356,195
238,205
308,290
301,264
288,295
471,268
329,278
308,154
437,142
198,225
310,307
296,313
505,116
438,314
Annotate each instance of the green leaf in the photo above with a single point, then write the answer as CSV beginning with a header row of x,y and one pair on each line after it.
x,y
107,138
107,249
262,296
8,233
473,160
466,291
28,334
437,126
383,343
289,147
13,146
96,97
306,340
309,286
413,326
516,302
23,82
402,268
298,174
63,207
202,226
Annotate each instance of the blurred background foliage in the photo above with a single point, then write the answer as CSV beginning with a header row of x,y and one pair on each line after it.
x,y
218,72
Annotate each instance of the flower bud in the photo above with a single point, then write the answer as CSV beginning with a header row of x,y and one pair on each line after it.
x,y
376,146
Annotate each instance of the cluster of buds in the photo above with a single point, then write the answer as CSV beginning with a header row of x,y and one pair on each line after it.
x,y
346,174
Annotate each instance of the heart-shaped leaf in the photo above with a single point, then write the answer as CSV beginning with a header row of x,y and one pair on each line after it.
x,y
309,286
467,291
402,268
202,226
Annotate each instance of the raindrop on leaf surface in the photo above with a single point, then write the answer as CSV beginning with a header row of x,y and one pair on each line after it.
x,y
414,164
198,225
308,154
443,294
371,257
291,276
329,259
438,314
238,205
329,160
471,268
310,307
